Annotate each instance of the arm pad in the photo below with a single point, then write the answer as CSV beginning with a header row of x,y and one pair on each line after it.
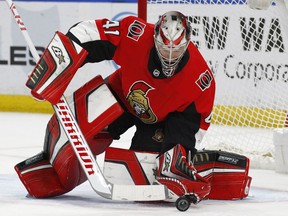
x,y
56,68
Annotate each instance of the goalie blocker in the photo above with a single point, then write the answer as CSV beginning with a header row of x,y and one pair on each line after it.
x,y
56,170
56,68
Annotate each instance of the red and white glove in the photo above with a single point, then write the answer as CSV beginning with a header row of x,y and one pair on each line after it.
x,y
173,163
180,176
56,68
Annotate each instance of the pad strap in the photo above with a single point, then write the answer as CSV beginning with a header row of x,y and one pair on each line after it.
x,y
56,68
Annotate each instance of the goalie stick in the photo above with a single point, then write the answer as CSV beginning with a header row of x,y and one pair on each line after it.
x,y
85,157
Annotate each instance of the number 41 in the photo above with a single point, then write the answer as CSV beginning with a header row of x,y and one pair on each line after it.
x,y
111,24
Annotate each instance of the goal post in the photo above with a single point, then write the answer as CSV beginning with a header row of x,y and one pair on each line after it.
x,y
246,46
142,9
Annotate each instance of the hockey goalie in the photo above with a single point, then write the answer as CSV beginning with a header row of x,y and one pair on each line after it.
x,y
163,88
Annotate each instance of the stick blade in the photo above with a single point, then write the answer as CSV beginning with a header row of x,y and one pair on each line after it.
x,y
139,192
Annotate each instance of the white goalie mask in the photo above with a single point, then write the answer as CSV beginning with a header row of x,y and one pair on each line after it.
x,y
171,37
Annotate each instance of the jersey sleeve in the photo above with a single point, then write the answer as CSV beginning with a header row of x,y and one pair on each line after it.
x,y
204,105
99,37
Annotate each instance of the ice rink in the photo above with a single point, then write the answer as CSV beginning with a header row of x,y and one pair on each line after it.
x,y
22,136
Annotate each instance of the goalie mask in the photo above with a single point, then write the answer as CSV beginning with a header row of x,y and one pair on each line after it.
x,y
171,37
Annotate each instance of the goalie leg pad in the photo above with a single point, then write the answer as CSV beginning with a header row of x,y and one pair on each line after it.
x,y
67,166
124,166
227,172
220,175
39,177
94,107
56,68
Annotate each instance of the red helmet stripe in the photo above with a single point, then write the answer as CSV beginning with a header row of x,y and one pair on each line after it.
x,y
179,39
166,41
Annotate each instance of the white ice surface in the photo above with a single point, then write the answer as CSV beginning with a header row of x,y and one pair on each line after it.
x,y
22,137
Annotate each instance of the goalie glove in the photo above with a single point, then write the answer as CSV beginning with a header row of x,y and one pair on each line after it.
x,y
173,163
56,68
180,176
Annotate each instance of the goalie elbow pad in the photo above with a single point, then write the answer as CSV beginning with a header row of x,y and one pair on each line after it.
x,y
56,68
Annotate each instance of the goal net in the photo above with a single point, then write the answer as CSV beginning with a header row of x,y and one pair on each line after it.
x,y
247,52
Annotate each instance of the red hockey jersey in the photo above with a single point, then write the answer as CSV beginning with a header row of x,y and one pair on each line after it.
x,y
140,83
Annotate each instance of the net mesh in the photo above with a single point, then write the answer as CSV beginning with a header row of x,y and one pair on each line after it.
x,y
247,52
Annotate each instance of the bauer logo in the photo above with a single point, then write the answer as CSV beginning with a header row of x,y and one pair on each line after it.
x,y
204,80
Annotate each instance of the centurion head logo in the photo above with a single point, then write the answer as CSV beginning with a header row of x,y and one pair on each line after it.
x,y
137,98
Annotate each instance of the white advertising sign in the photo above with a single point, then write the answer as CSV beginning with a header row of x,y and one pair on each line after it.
x,y
42,19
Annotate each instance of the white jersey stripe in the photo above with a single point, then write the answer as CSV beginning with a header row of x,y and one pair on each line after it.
x,y
86,31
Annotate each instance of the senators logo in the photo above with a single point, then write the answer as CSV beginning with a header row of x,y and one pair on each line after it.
x,y
136,29
204,80
159,135
137,98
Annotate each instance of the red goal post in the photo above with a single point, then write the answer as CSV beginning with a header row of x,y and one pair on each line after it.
x,y
142,9
247,50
